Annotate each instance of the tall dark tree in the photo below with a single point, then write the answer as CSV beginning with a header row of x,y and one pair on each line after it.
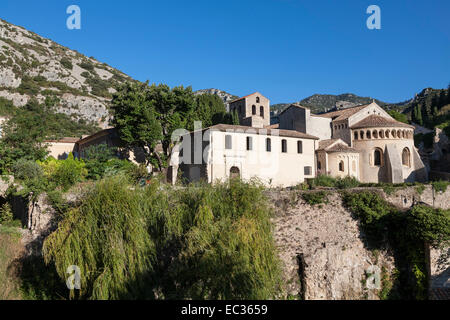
x,y
209,109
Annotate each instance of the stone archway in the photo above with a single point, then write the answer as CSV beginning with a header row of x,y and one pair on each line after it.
x,y
235,173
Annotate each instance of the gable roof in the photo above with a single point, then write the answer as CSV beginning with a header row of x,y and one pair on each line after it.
x,y
334,145
293,105
238,99
379,121
343,114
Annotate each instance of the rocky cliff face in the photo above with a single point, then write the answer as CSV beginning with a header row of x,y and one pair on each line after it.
x,y
34,67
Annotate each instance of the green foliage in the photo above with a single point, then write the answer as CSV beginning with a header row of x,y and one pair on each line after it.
x,y
313,198
87,65
135,117
209,109
406,233
331,182
429,225
200,242
427,139
7,107
440,186
398,116
64,173
6,214
66,63
29,126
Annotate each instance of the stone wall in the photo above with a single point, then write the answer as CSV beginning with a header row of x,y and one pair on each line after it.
x,y
324,252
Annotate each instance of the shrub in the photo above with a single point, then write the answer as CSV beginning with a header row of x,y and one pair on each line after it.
x,y
64,173
347,183
27,170
67,63
6,214
440,186
313,198
69,172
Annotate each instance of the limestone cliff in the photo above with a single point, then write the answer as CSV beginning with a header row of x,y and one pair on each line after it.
x,y
34,67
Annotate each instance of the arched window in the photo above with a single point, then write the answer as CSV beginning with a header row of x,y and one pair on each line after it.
x,y
257,99
341,166
235,173
268,145
253,109
375,134
368,135
387,134
377,157
261,111
394,134
406,157
399,134
381,134
319,165
361,134
356,135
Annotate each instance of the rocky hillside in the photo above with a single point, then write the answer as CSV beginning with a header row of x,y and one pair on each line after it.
x,y
225,96
34,67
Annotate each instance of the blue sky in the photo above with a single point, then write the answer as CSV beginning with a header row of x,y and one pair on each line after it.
x,y
286,49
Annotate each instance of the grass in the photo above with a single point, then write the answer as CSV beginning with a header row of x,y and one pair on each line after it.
x,y
10,249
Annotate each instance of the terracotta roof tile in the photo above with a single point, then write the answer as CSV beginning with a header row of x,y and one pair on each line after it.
x,y
342,114
379,121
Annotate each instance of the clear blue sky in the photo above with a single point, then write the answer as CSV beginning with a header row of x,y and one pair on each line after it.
x,y
286,49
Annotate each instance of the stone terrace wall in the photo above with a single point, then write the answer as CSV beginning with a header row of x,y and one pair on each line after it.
x,y
323,250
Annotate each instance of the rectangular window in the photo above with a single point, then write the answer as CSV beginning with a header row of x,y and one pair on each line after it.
x,y
308,171
228,144
268,145
249,143
284,146
299,147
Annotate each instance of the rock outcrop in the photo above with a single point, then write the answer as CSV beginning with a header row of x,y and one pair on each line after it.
x,y
34,67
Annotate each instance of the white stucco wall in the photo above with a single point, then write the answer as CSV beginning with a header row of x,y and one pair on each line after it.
x,y
272,168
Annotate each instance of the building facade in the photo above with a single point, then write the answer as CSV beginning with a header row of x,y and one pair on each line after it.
x,y
363,142
278,158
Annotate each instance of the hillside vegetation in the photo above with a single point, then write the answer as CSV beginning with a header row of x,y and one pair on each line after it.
x,y
33,67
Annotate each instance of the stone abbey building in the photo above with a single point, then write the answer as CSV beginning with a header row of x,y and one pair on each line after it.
x,y
364,142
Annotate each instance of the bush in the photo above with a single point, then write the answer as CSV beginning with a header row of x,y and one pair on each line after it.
x,y
440,186
27,170
64,173
331,182
6,214
313,198
67,63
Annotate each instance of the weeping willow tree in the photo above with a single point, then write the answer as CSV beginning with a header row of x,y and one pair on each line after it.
x,y
200,242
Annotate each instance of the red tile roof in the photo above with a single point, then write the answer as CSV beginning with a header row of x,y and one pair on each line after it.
x,y
379,121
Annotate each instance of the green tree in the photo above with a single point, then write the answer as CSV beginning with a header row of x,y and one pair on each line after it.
x,y
136,120
398,116
22,137
209,109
